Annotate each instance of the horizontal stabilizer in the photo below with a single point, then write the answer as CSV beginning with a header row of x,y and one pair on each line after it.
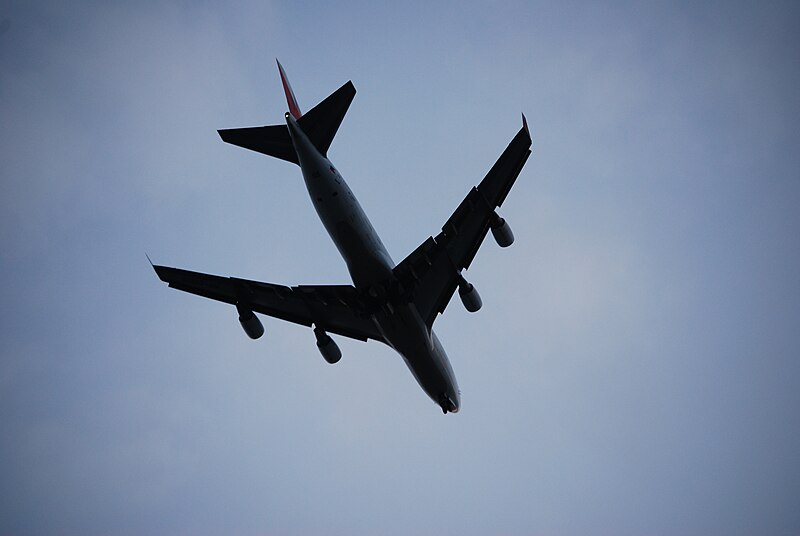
x,y
271,140
320,124
322,121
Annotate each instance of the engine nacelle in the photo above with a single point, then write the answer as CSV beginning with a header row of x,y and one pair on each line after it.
x,y
327,346
469,297
501,232
250,323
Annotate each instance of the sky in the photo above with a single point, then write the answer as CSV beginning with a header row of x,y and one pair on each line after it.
x,y
635,368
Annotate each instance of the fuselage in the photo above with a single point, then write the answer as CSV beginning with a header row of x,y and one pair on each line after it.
x,y
370,267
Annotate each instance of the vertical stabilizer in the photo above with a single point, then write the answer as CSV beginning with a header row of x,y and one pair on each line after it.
x,y
294,109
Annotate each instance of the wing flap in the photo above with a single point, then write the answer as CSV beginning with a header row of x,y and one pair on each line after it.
x,y
429,275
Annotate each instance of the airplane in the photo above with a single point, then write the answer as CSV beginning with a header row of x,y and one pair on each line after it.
x,y
393,304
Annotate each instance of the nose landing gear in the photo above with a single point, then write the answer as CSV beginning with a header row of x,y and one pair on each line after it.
x,y
447,405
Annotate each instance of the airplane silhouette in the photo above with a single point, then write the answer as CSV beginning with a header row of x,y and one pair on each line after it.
x,y
392,304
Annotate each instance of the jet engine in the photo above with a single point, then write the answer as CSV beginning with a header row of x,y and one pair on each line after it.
x,y
501,231
250,322
469,296
327,346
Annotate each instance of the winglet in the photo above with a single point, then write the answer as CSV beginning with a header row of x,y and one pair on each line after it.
x,y
290,98
158,269
525,124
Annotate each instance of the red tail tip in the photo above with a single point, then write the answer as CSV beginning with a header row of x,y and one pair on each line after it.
x,y
294,109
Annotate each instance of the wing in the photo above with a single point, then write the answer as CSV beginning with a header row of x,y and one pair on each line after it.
x,y
430,274
334,308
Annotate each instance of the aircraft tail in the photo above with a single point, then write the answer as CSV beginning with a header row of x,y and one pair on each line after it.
x,y
320,124
291,100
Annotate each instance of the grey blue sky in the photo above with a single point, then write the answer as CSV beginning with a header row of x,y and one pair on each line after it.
x,y
635,368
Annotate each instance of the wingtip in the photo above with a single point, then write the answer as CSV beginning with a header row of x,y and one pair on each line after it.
x,y
159,270
525,124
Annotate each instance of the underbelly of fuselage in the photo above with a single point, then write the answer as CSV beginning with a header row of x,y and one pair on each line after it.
x,y
370,267
404,330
